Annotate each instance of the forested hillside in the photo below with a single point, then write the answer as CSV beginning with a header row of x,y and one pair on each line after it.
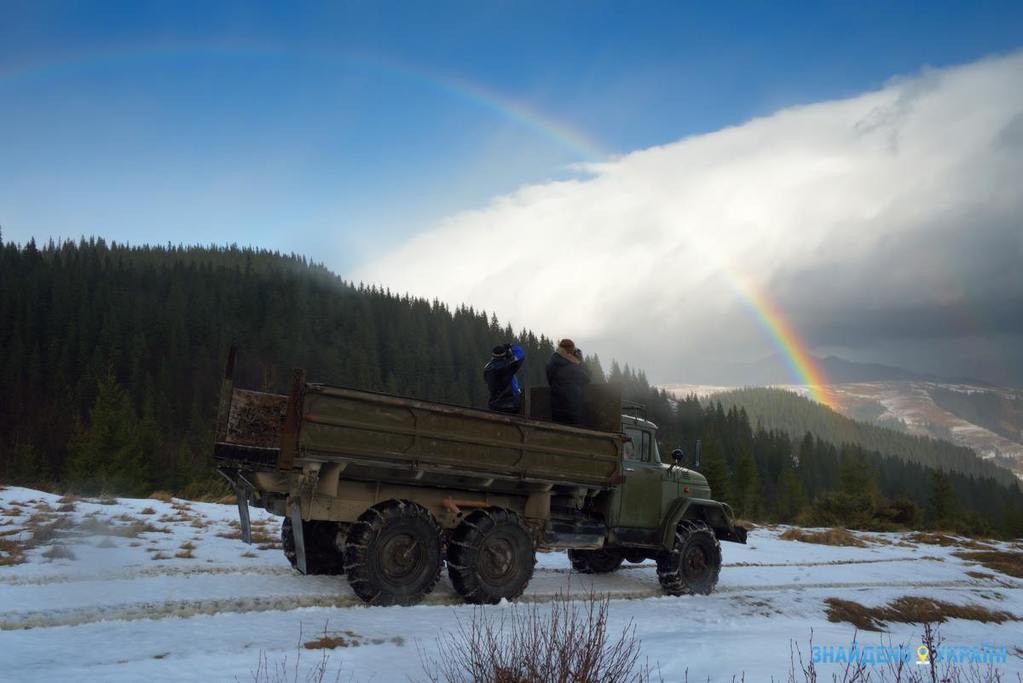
x,y
111,356
796,415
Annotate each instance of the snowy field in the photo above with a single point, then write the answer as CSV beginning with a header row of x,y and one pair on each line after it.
x,y
132,590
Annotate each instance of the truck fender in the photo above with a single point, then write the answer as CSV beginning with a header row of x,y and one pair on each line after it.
x,y
717,515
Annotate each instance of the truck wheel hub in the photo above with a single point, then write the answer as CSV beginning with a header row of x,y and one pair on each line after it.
x,y
401,556
694,563
496,558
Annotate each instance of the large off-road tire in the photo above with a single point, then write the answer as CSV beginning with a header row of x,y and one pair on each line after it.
x,y
693,563
595,561
490,556
322,554
393,553
636,556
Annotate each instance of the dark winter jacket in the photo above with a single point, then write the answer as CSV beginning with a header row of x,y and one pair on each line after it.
x,y
567,379
499,373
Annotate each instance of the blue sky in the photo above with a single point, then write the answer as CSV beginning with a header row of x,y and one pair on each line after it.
x,y
339,129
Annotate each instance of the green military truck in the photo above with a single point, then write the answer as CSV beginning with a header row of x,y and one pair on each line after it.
x,y
388,490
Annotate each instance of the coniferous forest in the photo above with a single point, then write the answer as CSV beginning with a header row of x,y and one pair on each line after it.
x,y
111,358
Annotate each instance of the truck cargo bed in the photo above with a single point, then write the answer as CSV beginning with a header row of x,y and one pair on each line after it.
x,y
373,436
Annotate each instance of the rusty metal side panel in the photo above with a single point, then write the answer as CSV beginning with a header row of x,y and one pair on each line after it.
x,y
292,427
406,432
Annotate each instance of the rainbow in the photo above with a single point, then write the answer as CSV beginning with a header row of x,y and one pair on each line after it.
x,y
518,112
802,365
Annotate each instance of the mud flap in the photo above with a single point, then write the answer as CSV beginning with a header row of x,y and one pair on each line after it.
x,y
736,534
295,513
243,514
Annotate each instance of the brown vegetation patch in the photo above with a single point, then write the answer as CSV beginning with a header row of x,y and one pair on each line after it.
x,y
94,526
45,528
330,642
188,545
184,554
68,498
980,575
162,496
199,523
160,556
147,511
836,536
227,500
248,553
947,541
66,507
1003,561
909,610
106,500
11,552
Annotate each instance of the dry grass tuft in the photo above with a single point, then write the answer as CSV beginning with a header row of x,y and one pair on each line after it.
x,y
199,523
58,551
106,500
837,536
947,540
66,507
162,496
980,575
1003,561
227,500
147,511
160,556
68,498
327,642
188,545
248,553
910,610
184,554
11,552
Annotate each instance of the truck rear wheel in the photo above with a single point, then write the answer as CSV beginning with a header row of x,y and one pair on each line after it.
x,y
595,561
322,554
393,553
490,556
693,563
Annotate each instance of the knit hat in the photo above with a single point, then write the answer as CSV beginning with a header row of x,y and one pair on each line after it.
x,y
567,344
499,351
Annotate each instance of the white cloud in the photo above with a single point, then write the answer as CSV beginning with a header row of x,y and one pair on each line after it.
x,y
868,205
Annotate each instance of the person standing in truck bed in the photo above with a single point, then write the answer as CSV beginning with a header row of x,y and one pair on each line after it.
x,y
567,375
499,374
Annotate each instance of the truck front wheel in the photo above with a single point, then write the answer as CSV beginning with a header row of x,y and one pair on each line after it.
x,y
693,563
490,556
322,554
595,561
393,553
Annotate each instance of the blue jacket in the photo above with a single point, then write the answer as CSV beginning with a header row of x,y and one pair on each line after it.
x,y
499,374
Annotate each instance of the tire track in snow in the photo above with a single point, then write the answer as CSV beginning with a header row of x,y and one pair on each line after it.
x,y
151,572
192,608
146,573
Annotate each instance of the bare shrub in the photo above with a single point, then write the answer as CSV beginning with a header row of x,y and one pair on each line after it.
x,y
58,551
836,536
281,671
568,642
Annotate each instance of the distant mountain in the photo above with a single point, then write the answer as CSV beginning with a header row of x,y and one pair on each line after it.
x,y
775,370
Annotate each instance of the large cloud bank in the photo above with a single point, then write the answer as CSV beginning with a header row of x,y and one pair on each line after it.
x,y
887,226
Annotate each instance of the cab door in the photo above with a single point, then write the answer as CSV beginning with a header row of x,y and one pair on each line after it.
x,y
640,499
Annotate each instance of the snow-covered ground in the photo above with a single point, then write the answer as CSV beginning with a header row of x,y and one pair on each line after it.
x,y
165,591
